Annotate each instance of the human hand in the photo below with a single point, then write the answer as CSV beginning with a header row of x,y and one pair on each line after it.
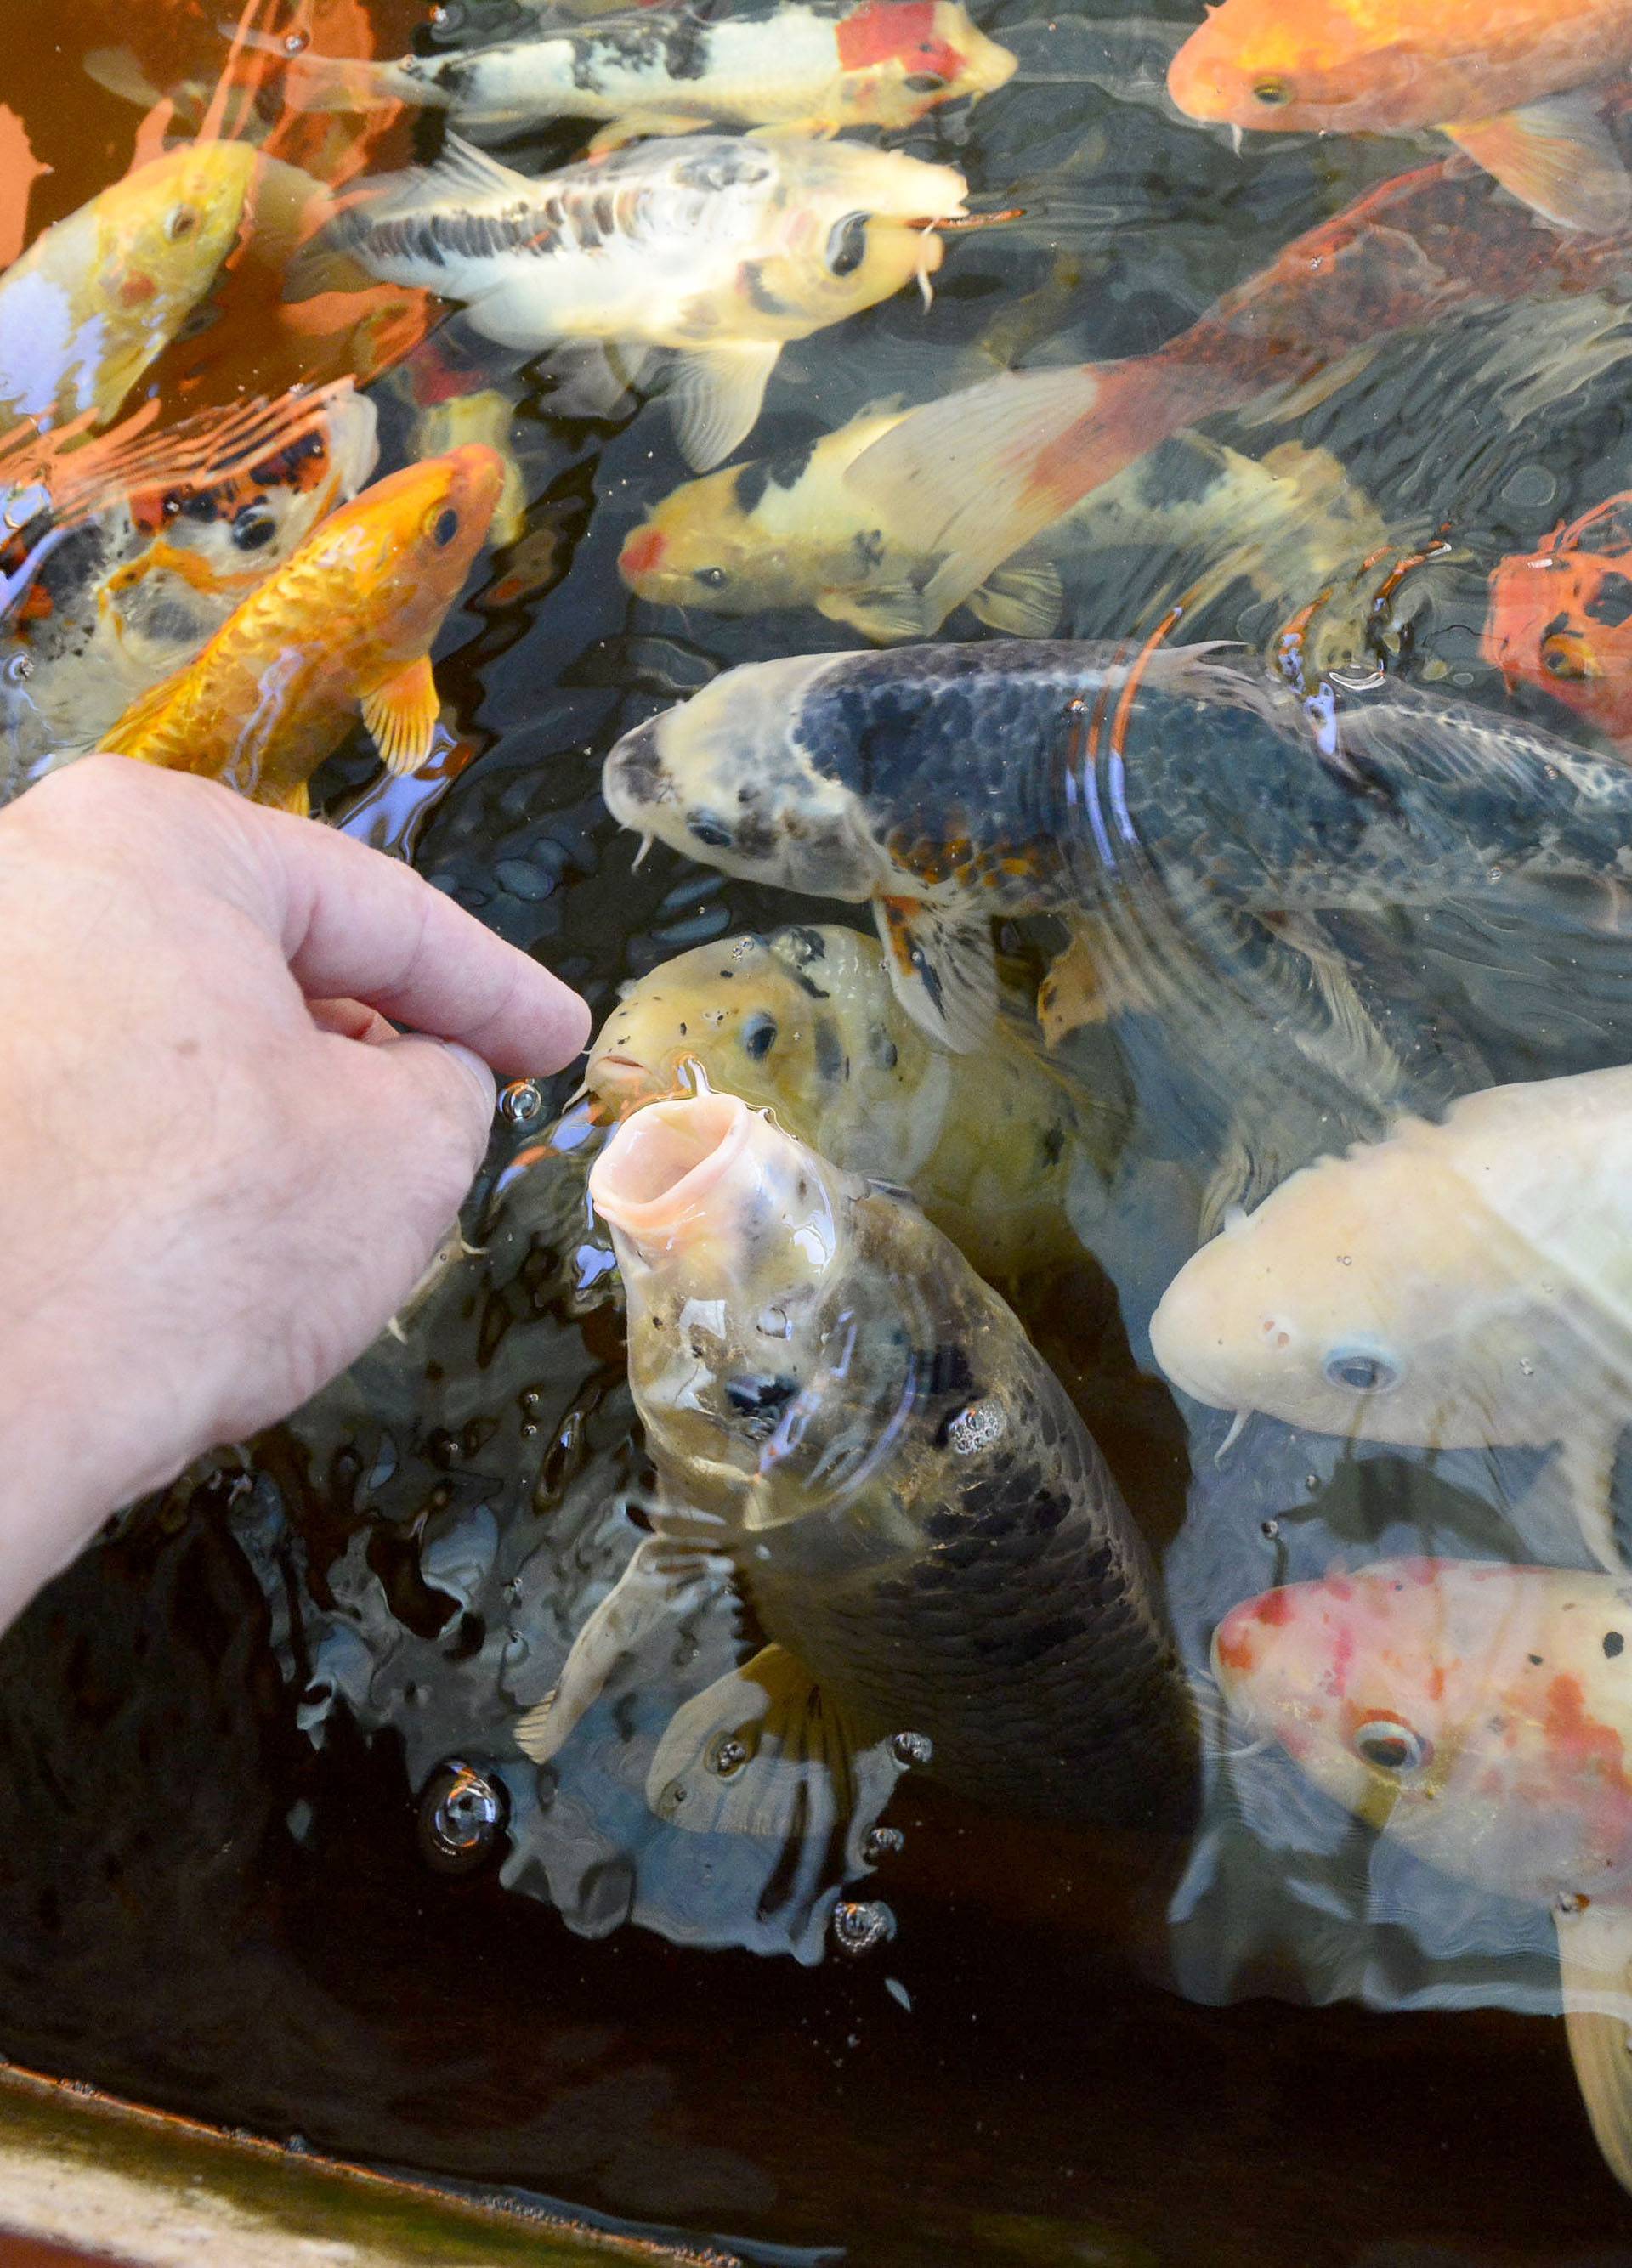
x,y
221,1171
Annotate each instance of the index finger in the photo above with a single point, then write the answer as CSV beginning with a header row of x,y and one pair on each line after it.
x,y
356,924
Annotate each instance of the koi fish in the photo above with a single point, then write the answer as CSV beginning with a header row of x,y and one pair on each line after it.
x,y
971,480
1480,1715
719,250
1558,618
347,621
804,1022
99,296
132,592
790,531
946,785
1460,1286
19,169
1512,86
819,64
852,1428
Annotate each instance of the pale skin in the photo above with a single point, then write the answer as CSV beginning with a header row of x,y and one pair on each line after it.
x,y
221,1169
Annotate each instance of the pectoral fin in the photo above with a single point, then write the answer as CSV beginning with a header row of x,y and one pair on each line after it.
x,y
943,969
401,714
664,1580
764,1752
1021,602
1595,1958
715,396
1559,156
886,614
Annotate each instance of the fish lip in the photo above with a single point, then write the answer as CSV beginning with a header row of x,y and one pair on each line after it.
x,y
724,1119
623,1074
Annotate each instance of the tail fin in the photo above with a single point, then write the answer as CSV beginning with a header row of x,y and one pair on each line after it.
x,y
975,478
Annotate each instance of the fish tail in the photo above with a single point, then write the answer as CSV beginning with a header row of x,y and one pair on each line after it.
x,y
978,476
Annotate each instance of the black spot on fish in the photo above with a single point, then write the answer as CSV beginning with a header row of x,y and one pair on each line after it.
x,y
749,487
790,466
685,48
1053,1145
1612,604
722,166
756,836
884,1048
939,1370
1613,1644
641,769
751,282
1176,475
868,544
831,1062
1534,1658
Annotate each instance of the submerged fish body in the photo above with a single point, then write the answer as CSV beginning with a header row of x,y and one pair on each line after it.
x,y
948,784
347,621
841,1410
133,591
791,531
719,250
816,63
1512,84
1562,618
804,1022
1460,1286
1480,1715
99,296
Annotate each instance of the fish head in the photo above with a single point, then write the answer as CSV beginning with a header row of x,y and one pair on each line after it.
x,y
1471,1710
768,1018
726,778
162,234
405,545
1560,618
734,1248
904,58
703,546
1317,68
856,225
1374,1297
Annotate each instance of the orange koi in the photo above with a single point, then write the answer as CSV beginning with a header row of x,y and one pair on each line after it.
x,y
1509,81
1561,617
348,622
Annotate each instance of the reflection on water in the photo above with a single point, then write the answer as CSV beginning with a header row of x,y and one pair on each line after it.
x,y
1010,1710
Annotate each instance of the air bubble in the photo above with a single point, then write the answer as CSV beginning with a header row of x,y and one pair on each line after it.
x,y
521,1102
882,1843
727,1756
20,669
861,1926
911,1748
461,1818
296,43
1269,1529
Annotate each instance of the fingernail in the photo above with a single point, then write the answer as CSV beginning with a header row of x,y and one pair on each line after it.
x,y
479,1070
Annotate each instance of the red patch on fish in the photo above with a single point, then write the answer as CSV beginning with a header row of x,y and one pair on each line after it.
x,y
136,291
1561,617
20,169
645,548
1582,1741
890,31
1274,1607
1235,1647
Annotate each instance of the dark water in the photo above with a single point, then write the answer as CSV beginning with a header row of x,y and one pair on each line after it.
x,y
222,1885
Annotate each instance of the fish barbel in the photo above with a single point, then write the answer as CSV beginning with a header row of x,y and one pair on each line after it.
x,y
843,1413
347,621
133,588
1466,1284
946,785
804,1022
1480,1715
99,296
719,250
821,65
1511,83
970,480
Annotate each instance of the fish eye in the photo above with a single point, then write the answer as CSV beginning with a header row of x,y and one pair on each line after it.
x,y
1361,1370
19,670
1560,659
253,528
180,222
444,528
759,1037
710,831
1272,92
1392,1746
924,82
847,243
712,578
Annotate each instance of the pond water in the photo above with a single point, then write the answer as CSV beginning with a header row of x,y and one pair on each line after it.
x,y
269,1852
